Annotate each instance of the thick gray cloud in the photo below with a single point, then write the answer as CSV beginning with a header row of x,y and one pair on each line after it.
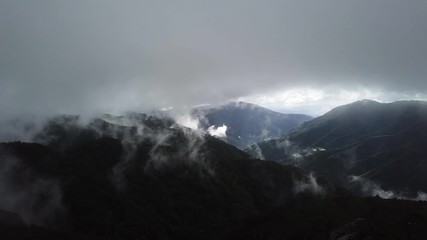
x,y
85,56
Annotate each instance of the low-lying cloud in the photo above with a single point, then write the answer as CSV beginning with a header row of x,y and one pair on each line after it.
x,y
219,132
36,200
309,185
371,188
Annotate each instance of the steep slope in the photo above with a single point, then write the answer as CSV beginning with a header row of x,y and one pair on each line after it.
x,y
138,177
247,123
366,143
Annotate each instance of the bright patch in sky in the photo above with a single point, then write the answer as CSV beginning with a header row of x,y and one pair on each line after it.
x,y
316,102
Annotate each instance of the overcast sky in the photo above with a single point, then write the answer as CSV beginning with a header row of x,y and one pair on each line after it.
x,y
299,56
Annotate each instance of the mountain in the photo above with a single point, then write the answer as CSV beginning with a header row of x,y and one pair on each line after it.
x,y
339,218
378,147
244,124
142,177
137,177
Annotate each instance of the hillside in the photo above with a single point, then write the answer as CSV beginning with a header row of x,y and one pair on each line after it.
x,y
141,177
381,143
138,177
247,123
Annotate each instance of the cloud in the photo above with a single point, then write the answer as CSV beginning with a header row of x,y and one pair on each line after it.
x,y
374,189
96,56
256,151
22,129
187,120
35,199
309,185
219,132
316,102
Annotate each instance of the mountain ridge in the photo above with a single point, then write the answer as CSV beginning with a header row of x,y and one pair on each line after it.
x,y
153,179
366,138
143,177
246,123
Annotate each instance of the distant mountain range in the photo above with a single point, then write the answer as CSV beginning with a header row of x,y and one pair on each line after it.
x,y
143,177
138,177
372,145
246,123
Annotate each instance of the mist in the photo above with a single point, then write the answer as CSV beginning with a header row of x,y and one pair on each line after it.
x,y
84,57
35,199
371,188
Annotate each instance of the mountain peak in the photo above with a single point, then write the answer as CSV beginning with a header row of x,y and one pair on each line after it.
x,y
362,103
247,123
367,101
380,141
241,104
